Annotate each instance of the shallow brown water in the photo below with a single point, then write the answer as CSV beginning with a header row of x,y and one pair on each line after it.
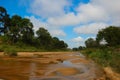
x,y
66,67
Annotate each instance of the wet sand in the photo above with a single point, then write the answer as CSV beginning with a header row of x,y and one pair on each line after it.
x,y
49,66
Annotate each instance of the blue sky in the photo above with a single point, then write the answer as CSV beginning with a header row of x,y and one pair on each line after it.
x,y
73,21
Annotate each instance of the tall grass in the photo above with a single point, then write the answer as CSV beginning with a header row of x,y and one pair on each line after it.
x,y
22,48
25,48
105,57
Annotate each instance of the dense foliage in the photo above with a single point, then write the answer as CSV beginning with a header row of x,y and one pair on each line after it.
x,y
106,57
18,31
4,20
110,34
78,48
90,42
107,53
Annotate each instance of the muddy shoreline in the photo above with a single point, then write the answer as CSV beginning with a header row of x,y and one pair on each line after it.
x,y
49,66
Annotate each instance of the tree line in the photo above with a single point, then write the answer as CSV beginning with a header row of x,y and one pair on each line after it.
x,y
109,36
16,30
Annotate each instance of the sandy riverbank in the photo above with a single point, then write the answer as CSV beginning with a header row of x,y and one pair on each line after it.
x,y
49,65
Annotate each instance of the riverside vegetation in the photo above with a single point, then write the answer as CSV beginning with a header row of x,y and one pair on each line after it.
x,y
105,49
17,34
106,57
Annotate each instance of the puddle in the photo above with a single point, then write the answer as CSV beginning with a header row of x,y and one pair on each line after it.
x,y
67,68
64,72
67,63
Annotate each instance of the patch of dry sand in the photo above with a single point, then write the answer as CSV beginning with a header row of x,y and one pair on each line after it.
x,y
111,74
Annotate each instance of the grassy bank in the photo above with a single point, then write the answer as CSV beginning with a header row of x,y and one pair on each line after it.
x,y
106,57
22,48
25,48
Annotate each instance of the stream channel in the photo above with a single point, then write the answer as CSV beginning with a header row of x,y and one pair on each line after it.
x,y
72,67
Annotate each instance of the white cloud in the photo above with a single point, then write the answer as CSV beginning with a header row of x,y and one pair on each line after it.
x,y
37,23
67,19
112,7
57,32
48,8
92,28
78,41
85,13
92,12
109,5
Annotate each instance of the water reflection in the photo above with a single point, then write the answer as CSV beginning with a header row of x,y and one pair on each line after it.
x,y
80,66
67,63
32,70
67,68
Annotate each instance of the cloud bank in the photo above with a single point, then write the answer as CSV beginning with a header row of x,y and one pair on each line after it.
x,y
85,18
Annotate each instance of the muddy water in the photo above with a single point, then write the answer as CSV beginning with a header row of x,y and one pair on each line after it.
x,y
65,67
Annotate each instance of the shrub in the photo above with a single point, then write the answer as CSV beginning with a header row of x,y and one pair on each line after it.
x,y
101,57
115,62
10,52
105,57
3,47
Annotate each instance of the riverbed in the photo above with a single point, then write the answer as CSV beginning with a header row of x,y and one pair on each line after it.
x,y
49,66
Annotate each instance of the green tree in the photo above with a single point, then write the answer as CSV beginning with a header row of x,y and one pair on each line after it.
x,y
14,33
62,45
44,38
110,34
17,30
57,44
21,29
90,43
4,21
81,47
27,33
75,49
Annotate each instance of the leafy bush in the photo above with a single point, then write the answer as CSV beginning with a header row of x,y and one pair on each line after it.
x,y
3,47
115,62
101,57
105,57
10,52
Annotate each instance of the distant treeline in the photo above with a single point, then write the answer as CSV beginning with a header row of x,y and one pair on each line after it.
x,y
16,30
107,37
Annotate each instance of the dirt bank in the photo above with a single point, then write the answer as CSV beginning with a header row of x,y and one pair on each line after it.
x,y
111,74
